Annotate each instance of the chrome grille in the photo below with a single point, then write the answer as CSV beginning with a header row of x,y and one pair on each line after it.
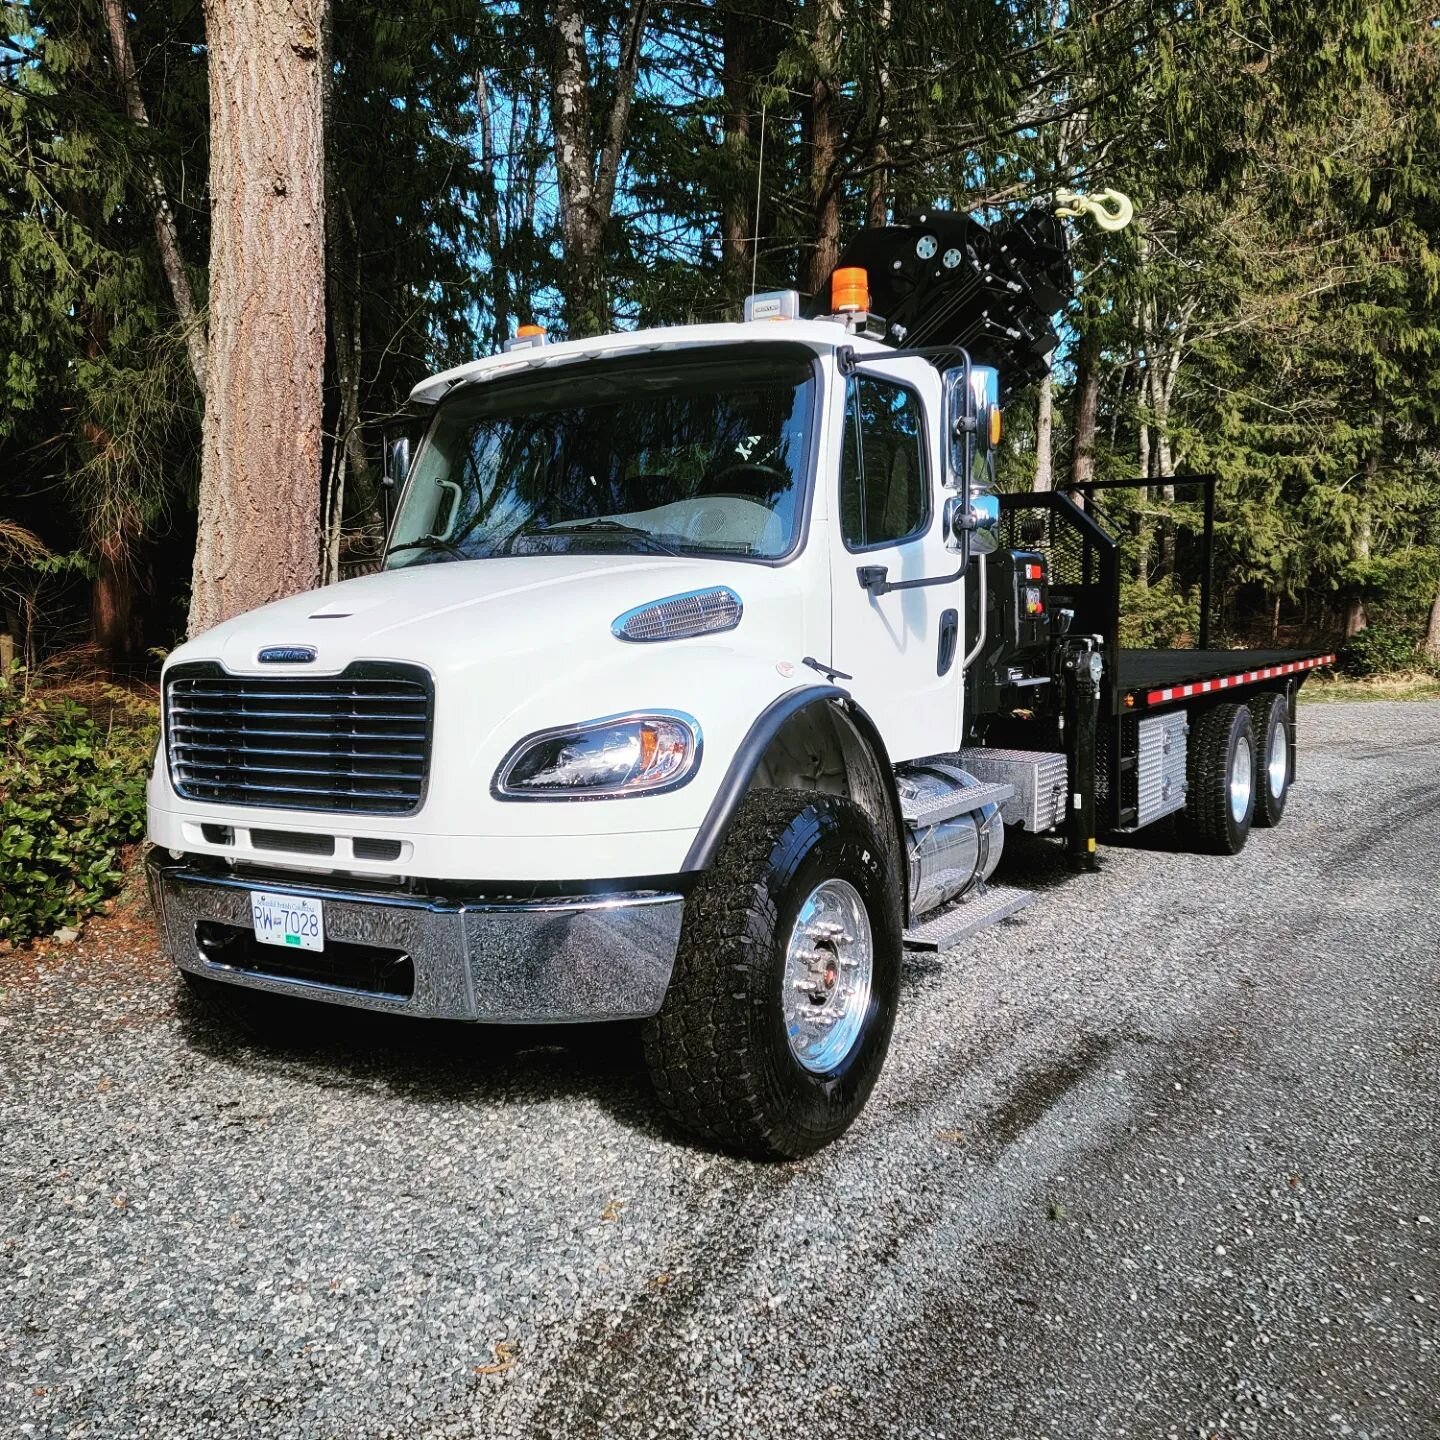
x,y
356,742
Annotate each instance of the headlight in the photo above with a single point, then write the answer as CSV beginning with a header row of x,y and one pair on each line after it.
x,y
602,759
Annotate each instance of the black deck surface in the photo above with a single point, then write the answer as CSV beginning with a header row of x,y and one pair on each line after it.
x,y
1151,669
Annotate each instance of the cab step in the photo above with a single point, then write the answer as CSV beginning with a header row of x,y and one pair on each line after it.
x,y
946,928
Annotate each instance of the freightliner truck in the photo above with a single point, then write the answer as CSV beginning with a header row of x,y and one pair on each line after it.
x,y
705,673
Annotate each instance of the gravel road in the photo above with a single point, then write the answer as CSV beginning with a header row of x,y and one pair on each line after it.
x,y
1157,1158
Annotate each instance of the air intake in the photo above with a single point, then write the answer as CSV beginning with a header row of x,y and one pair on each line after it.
x,y
678,617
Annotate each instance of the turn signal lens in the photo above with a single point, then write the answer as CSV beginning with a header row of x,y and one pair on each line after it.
x,y
996,426
849,290
602,759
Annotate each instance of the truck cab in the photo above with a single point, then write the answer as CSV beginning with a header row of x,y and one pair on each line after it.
x,y
656,710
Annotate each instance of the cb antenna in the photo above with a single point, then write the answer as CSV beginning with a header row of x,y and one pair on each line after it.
x,y
759,180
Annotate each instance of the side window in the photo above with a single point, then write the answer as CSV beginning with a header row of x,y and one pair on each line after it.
x,y
884,488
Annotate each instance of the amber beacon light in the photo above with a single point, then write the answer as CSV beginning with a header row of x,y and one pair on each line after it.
x,y
849,290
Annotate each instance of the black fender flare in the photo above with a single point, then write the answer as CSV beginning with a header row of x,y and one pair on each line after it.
x,y
746,760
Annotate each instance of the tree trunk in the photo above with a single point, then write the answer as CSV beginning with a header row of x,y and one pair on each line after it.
x,y
1087,408
1355,617
348,463
1044,430
825,144
494,231
737,30
574,166
259,513
167,234
1431,643
879,183
113,619
587,186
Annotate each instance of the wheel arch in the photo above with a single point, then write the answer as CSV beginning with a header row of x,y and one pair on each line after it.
x,y
812,738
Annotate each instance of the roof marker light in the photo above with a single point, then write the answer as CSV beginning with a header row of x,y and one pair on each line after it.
x,y
773,305
527,337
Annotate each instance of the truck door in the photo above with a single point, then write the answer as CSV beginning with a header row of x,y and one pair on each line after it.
x,y
902,648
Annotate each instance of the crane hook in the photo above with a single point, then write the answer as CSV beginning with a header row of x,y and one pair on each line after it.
x,y
1071,204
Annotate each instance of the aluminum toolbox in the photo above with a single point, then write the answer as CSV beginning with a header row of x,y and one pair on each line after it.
x,y
1040,778
1160,767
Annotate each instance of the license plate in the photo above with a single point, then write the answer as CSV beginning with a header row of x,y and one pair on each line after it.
x,y
288,920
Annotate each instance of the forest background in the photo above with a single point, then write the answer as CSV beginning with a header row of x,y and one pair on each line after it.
x,y
1270,317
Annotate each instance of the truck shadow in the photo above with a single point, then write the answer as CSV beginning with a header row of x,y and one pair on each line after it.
x,y
437,1062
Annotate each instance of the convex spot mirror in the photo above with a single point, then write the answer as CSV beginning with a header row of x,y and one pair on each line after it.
x,y
985,520
975,527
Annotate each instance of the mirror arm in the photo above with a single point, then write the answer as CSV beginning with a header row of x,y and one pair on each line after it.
x,y
872,579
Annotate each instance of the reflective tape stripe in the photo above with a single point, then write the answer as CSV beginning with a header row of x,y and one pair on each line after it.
x,y
1243,677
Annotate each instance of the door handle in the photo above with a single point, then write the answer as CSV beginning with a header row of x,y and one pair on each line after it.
x,y
949,640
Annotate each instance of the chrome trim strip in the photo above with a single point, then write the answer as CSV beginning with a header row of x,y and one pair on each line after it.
x,y
512,756
562,959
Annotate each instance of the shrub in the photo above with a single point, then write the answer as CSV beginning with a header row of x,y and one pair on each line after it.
x,y
1379,650
72,792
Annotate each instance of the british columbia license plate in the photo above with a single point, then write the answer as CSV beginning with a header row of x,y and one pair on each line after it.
x,y
288,920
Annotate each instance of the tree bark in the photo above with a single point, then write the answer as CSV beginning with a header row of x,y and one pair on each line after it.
x,y
825,144
574,167
1087,408
737,30
1355,617
167,234
260,481
1044,432
1431,643
879,184
587,182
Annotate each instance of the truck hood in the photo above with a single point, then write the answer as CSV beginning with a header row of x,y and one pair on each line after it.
x,y
446,614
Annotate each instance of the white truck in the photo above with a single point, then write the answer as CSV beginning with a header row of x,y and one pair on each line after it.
x,y
704,673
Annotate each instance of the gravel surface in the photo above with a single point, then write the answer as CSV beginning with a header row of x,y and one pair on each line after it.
x,y
1157,1158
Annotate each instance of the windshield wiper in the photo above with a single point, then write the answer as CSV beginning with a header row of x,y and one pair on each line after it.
x,y
607,527
428,542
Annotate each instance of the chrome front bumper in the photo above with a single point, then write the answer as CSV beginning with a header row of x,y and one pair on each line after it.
x,y
596,957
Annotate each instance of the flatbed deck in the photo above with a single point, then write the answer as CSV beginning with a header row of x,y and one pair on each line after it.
x,y
1160,677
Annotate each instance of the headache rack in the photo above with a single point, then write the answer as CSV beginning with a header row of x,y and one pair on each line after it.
x,y
353,743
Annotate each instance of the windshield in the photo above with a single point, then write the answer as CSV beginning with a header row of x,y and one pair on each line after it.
x,y
700,454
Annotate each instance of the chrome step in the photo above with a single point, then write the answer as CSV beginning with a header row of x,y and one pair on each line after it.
x,y
948,927
932,809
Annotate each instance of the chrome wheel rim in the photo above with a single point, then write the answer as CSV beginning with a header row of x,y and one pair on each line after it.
x,y
1279,765
1242,778
829,966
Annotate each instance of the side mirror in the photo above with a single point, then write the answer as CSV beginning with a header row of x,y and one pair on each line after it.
x,y
397,462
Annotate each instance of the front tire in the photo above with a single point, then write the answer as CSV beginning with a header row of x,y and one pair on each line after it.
x,y
1220,799
1270,715
783,999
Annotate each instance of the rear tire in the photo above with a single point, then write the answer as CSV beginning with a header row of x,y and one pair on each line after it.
x,y
779,1013
1270,715
1220,799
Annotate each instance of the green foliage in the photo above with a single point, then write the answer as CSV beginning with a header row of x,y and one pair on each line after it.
x,y
1380,650
1158,616
72,793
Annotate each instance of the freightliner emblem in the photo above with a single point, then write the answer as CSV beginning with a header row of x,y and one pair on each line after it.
x,y
287,654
